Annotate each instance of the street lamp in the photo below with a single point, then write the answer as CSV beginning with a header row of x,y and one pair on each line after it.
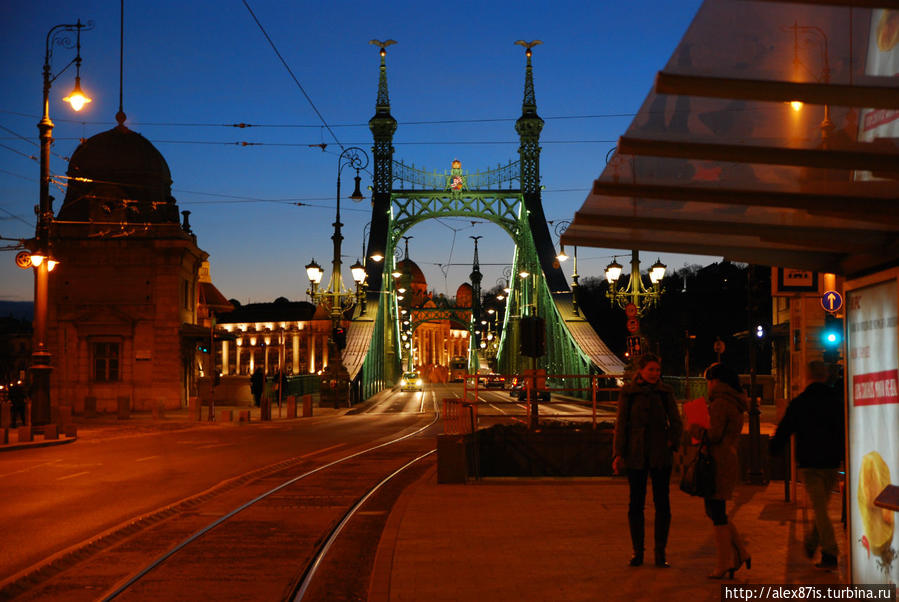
x,y
336,296
359,275
559,229
637,293
40,245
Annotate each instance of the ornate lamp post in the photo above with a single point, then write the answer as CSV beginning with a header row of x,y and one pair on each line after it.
x,y
637,294
560,228
41,257
336,296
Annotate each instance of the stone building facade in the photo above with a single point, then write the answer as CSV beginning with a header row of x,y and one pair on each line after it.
x,y
124,299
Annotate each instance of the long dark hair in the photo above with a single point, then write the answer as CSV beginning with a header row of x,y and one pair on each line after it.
x,y
725,374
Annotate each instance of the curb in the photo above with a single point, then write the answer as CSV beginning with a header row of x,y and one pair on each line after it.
x,y
32,444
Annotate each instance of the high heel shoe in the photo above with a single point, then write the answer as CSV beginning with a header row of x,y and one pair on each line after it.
x,y
742,561
725,574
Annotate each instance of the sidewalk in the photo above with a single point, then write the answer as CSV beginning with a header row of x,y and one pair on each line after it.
x,y
108,426
568,539
555,539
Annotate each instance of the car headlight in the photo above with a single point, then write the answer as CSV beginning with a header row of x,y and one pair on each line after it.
x,y
418,382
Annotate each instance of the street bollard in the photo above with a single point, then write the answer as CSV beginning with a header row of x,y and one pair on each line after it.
x,y
90,406
25,434
5,415
4,436
51,431
307,405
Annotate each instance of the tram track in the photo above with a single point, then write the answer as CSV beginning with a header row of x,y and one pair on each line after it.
x,y
269,547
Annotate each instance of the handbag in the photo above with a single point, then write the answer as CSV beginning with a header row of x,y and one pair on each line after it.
x,y
699,474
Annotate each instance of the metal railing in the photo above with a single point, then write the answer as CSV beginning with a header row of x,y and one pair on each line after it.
x,y
601,389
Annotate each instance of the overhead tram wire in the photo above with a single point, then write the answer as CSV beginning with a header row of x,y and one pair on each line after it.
x,y
244,125
286,66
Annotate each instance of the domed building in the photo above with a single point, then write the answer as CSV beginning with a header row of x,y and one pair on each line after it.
x,y
129,298
437,337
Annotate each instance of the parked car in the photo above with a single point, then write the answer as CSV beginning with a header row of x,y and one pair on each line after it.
x,y
519,390
411,381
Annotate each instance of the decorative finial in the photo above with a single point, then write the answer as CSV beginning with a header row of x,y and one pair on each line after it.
x,y
120,117
382,45
382,105
528,45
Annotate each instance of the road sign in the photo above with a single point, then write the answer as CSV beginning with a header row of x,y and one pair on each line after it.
x,y
832,301
633,325
630,310
718,347
23,259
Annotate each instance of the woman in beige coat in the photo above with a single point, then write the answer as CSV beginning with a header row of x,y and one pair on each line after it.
x,y
727,403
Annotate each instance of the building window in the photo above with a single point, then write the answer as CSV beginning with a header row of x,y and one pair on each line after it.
x,y
106,361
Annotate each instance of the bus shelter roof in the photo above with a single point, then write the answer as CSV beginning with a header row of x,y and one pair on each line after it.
x,y
770,137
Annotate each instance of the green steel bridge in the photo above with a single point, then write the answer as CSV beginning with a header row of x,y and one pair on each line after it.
x,y
508,196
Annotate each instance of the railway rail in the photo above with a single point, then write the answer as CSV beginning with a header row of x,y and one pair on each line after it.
x,y
270,547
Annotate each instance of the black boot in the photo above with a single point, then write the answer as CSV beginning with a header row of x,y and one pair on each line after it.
x,y
635,522
662,525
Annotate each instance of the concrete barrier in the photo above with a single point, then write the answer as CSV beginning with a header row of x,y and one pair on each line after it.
x,y
65,415
51,431
291,406
25,434
5,414
158,411
90,406
123,407
70,430
226,416
307,406
243,416
4,436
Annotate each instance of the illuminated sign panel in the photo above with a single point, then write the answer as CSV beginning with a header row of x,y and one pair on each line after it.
x,y
872,378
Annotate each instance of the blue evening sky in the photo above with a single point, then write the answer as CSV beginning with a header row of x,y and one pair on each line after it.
x,y
191,66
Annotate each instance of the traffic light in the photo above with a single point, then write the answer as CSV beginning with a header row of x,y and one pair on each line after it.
x,y
339,335
634,346
832,337
533,336
203,347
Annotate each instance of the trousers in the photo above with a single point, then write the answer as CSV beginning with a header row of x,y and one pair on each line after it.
x,y
819,482
661,479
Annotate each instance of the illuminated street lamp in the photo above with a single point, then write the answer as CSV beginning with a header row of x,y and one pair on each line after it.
x,y
40,244
336,296
636,293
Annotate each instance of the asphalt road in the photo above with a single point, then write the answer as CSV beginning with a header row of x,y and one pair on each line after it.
x,y
57,497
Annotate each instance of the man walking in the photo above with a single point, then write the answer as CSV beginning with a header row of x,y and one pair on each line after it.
x,y
816,417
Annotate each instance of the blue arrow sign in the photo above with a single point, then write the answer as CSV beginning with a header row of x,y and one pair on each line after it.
x,y
832,301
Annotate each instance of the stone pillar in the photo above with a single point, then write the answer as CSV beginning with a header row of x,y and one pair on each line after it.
x,y
265,354
224,358
325,352
236,358
296,353
312,341
252,359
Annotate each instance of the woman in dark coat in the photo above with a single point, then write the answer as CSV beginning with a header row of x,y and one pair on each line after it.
x,y
727,403
647,432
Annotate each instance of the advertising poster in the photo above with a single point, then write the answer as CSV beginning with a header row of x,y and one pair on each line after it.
x,y
883,60
872,374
